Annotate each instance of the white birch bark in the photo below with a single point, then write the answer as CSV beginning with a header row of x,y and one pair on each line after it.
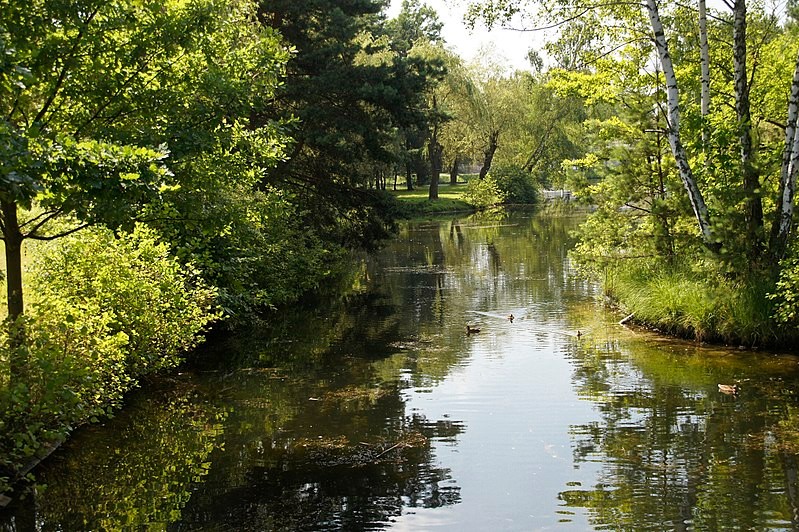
x,y
673,126
788,172
704,55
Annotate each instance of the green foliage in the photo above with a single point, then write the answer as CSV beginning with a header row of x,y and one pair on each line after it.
x,y
483,193
108,310
353,95
415,22
517,185
786,292
255,246
696,302
253,242
160,305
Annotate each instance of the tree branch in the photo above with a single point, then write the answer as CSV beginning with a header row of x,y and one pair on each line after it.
x,y
63,74
57,235
35,218
47,217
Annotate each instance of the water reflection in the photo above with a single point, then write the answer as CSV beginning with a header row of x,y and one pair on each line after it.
x,y
675,452
374,409
136,470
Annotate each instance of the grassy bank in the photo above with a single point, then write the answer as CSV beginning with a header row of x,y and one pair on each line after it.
x,y
415,203
700,305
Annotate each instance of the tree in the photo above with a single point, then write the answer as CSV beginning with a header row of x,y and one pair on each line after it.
x,y
414,32
350,92
105,104
720,228
414,23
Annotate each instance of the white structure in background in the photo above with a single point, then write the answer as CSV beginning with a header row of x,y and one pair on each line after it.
x,y
565,195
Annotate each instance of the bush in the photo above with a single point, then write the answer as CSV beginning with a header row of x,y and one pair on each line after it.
x,y
786,293
160,305
483,193
261,249
104,312
516,184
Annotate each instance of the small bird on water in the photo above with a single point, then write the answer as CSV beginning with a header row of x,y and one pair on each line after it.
x,y
729,389
472,330
511,318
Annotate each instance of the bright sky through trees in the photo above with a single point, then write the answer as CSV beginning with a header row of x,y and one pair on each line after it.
x,y
510,46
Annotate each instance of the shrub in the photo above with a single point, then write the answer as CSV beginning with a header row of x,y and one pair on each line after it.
x,y
104,312
483,193
786,293
158,303
517,185
261,249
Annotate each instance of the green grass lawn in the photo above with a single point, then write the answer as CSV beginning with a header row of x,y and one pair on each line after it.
x,y
416,203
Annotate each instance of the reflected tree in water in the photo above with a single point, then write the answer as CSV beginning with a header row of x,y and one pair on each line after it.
x,y
137,471
674,452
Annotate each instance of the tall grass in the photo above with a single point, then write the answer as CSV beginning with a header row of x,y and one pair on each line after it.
x,y
704,305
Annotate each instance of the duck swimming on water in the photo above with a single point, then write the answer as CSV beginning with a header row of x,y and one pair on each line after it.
x,y
729,389
472,330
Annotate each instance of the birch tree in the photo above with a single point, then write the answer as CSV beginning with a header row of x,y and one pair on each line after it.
x,y
623,26
704,54
673,127
783,219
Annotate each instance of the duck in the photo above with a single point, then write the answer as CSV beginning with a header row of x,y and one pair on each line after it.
x,y
729,389
472,330
511,318
579,334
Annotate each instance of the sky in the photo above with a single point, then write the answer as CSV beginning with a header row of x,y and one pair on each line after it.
x,y
509,47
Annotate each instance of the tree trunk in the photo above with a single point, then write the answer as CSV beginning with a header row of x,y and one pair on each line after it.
x,y
753,205
704,54
783,218
536,153
12,237
453,173
408,176
435,166
435,152
673,121
493,140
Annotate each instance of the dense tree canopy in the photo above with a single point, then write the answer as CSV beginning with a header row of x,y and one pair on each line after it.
x,y
105,102
352,86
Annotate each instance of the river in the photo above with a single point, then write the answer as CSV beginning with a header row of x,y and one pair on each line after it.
x,y
375,410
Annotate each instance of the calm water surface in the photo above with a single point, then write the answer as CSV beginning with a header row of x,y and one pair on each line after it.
x,y
375,410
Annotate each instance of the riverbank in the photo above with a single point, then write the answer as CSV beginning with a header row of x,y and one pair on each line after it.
x,y
703,306
416,203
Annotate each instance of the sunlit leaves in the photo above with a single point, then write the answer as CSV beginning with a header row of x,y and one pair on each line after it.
x,y
106,312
